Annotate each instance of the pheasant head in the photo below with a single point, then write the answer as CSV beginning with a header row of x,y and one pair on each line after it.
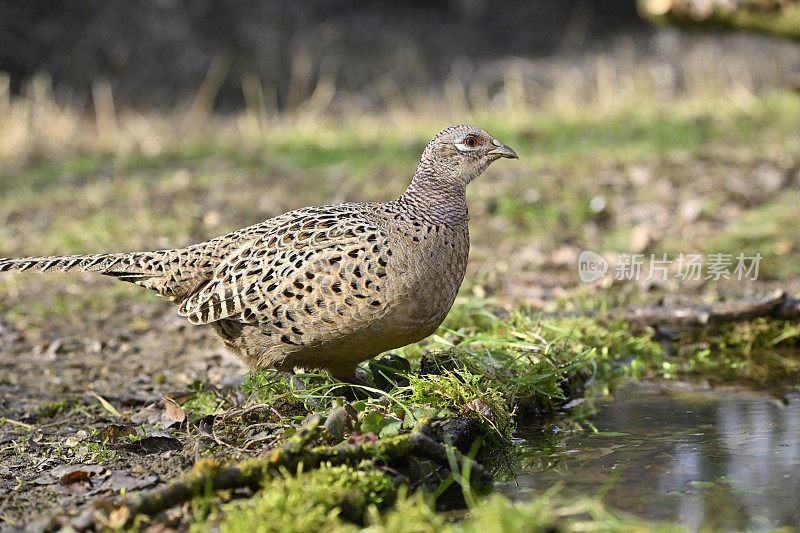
x,y
463,153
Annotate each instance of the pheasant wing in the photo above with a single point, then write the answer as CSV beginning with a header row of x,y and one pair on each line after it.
x,y
321,254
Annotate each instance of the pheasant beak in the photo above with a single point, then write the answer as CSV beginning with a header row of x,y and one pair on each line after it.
x,y
501,150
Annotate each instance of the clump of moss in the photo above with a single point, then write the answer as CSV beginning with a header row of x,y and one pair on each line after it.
x,y
202,404
325,498
462,392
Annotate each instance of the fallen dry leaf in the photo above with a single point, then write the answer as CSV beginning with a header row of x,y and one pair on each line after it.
x,y
75,476
152,414
479,406
75,482
149,415
82,487
107,406
173,413
60,472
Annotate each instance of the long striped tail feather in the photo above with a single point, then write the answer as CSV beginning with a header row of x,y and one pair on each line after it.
x,y
105,263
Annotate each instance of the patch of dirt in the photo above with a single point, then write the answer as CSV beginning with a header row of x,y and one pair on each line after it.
x,y
50,374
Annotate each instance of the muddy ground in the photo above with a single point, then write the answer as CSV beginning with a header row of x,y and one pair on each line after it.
x,y
50,376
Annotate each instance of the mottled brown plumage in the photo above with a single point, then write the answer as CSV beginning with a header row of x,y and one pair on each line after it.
x,y
322,287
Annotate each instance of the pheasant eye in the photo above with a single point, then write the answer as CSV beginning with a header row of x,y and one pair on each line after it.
x,y
469,143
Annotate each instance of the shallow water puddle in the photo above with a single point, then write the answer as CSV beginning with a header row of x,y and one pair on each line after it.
x,y
699,458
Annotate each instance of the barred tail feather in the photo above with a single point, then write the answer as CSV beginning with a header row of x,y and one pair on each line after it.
x,y
173,274
113,264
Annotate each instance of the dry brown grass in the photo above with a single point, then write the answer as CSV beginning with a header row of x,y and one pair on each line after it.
x,y
36,124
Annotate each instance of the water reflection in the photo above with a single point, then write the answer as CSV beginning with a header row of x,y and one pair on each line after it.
x,y
724,459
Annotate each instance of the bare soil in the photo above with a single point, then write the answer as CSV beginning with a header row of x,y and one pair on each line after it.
x,y
48,375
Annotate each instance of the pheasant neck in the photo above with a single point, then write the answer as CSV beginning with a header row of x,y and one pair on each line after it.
x,y
435,200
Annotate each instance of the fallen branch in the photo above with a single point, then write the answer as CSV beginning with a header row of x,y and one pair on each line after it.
x,y
209,477
774,305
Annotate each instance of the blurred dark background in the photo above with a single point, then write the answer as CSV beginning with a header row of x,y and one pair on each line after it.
x,y
157,52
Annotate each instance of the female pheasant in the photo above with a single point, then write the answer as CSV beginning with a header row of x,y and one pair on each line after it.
x,y
322,287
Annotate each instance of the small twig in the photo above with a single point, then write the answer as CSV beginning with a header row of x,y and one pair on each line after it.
x,y
217,439
17,423
54,423
242,411
249,444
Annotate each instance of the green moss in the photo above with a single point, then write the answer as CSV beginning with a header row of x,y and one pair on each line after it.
x,y
325,498
528,356
460,391
553,512
748,337
315,502
202,404
342,499
760,352
500,364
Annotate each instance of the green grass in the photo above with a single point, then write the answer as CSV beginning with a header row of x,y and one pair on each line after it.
x,y
760,353
64,302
